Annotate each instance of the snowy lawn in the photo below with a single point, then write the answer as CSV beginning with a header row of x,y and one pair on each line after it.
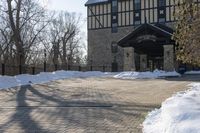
x,y
146,75
25,79
178,114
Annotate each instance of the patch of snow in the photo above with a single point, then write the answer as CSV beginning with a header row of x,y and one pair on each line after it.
x,y
7,82
178,114
146,75
44,77
192,72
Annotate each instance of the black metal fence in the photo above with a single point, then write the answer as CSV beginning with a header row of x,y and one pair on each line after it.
x,y
12,70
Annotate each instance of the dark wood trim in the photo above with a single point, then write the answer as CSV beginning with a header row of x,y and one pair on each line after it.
x,y
148,9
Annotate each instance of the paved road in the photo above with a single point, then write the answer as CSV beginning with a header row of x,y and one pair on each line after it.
x,y
90,105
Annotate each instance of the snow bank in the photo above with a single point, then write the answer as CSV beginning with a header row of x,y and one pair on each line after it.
x,y
192,72
146,75
178,114
43,77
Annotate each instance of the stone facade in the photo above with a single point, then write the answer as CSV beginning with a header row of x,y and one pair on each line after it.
x,y
129,59
121,16
143,62
99,48
169,58
100,52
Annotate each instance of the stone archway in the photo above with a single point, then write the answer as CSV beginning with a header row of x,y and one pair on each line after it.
x,y
151,43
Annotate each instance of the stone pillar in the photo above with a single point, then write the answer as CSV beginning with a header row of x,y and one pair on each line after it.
x,y
169,57
129,59
143,62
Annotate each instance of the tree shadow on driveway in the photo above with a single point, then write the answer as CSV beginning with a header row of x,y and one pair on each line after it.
x,y
22,115
79,115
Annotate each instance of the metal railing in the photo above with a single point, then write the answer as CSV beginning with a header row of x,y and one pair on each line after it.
x,y
12,70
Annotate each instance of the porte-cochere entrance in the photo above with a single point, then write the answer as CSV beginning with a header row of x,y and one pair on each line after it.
x,y
148,47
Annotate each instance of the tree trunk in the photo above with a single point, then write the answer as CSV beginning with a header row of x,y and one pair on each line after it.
x,y
21,60
64,58
55,56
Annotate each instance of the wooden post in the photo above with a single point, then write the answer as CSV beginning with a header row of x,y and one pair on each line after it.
x,y
69,67
45,66
79,68
56,67
91,69
33,70
3,69
104,69
20,69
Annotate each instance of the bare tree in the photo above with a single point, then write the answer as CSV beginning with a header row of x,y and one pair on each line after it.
x,y
26,20
65,37
27,30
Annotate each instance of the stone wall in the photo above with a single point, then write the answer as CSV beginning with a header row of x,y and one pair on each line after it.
x,y
169,58
129,59
143,62
99,47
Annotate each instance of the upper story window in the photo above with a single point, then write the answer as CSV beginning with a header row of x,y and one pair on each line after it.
x,y
114,6
114,28
161,10
161,3
114,16
119,13
137,4
137,13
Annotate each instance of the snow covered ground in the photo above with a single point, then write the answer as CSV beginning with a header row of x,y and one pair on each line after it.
x,y
146,75
25,79
192,72
178,114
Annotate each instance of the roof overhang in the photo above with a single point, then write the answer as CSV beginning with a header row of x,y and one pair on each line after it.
x,y
158,34
93,2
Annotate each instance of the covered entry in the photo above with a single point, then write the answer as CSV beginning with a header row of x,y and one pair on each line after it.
x,y
148,47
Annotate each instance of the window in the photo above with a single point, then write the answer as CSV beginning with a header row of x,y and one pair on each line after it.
x,y
137,14
114,28
161,3
114,16
137,17
161,20
161,10
114,3
137,22
137,4
114,6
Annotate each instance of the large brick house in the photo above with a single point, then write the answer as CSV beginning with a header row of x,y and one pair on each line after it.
x,y
131,34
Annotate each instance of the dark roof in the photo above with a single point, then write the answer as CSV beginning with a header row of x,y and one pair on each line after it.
x,y
90,2
164,27
159,29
